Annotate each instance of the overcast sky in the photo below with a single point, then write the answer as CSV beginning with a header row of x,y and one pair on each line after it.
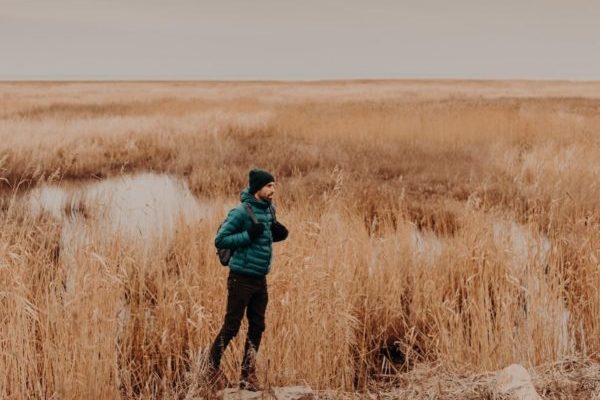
x,y
321,39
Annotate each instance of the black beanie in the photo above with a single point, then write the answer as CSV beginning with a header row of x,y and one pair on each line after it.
x,y
259,178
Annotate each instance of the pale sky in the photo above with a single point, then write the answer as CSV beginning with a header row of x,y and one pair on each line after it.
x,y
268,39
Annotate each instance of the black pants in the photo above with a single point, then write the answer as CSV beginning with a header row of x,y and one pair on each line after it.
x,y
244,294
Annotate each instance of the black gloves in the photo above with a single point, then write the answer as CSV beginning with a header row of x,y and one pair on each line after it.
x,y
255,230
279,231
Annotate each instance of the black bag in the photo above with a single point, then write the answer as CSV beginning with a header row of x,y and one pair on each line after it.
x,y
226,254
279,231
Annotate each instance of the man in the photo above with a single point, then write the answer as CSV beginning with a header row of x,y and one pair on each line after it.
x,y
249,265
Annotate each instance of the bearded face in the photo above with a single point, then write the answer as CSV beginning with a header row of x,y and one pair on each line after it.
x,y
267,192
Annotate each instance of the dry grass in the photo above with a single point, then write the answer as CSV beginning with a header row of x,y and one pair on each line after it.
x,y
366,172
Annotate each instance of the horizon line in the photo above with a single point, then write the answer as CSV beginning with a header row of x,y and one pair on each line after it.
x,y
293,80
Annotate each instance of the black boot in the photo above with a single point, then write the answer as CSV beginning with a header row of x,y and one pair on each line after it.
x,y
248,378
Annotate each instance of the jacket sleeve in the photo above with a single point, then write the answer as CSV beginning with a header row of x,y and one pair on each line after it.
x,y
232,235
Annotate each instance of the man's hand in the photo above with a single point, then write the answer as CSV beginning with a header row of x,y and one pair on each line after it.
x,y
256,230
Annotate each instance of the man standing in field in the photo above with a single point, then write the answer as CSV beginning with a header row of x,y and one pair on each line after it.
x,y
250,233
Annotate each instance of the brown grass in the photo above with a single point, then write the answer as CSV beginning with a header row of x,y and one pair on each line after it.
x,y
361,166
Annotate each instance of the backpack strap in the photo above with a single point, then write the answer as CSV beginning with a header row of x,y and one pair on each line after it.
x,y
273,213
251,213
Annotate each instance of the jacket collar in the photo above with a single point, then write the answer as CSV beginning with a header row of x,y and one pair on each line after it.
x,y
247,197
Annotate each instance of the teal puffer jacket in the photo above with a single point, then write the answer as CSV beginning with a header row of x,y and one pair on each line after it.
x,y
250,257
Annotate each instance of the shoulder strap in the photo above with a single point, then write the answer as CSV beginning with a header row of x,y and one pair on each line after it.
x,y
273,212
250,212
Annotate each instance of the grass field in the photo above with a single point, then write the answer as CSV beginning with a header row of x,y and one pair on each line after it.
x,y
448,226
